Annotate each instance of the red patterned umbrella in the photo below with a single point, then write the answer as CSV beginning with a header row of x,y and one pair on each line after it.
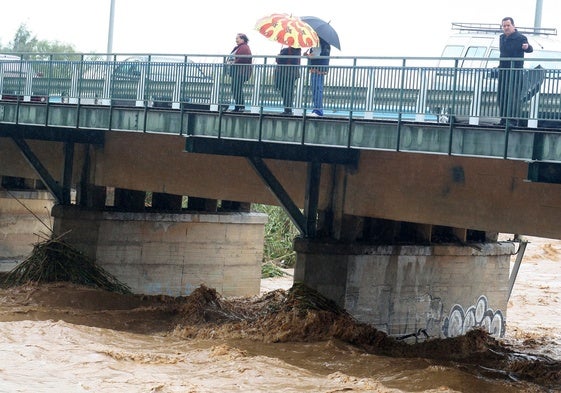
x,y
287,30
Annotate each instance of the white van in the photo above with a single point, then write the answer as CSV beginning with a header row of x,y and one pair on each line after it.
x,y
475,46
12,66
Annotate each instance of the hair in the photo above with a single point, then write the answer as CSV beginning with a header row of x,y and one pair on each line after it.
x,y
243,37
509,19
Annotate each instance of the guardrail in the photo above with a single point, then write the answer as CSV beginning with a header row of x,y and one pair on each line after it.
x,y
356,87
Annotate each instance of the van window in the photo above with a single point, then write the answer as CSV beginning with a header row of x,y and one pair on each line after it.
x,y
451,51
494,55
473,52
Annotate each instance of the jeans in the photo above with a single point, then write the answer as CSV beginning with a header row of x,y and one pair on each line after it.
x,y
316,81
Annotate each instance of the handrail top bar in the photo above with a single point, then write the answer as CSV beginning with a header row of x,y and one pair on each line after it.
x,y
207,58
495,28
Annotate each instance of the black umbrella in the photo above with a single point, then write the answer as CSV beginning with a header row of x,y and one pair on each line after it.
x,y
323,29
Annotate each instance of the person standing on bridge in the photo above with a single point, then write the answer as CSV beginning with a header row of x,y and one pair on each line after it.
x,y
240,69
512,44
286,73
318,62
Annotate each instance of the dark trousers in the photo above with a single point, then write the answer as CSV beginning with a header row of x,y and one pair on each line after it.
x,y
287,93
509,91
238,80
285,76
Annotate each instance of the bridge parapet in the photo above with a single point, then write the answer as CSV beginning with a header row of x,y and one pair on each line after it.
x,y
355,87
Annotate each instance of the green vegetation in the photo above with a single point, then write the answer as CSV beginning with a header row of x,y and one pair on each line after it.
x,y
279,235
269,270
25,42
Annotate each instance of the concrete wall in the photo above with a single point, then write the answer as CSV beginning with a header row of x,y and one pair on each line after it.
x,y
24,215
443,289
171,254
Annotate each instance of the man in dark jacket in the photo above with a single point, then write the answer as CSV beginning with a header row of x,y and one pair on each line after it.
x,y
512,45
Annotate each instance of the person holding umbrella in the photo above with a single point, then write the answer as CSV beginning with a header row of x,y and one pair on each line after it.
x,y
295,34
286,73
240,70
318,62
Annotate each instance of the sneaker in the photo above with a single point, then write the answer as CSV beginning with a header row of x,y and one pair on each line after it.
x,y
287,112
317,112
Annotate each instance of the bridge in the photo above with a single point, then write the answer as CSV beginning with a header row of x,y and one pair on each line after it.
x,y
399,191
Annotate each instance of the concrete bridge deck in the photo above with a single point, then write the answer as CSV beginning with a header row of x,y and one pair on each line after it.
x,y
467,176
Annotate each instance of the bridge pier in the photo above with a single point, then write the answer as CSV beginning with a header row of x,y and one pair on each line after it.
x,y
442,290
170,253
24,215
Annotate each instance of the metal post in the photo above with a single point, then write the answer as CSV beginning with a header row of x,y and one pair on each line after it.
x,y
516,267
110,33
538,15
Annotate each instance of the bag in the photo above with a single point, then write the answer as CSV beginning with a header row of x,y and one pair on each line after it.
x,y
228,65
229,61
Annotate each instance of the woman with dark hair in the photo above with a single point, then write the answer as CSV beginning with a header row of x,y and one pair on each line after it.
x,y
240,69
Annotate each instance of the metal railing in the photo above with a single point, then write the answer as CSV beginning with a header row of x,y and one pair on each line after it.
x,y
357,87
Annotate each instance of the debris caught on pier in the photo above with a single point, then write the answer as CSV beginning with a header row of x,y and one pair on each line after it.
x,y
54,260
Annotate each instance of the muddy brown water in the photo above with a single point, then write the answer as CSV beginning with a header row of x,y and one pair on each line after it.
x,y
66,338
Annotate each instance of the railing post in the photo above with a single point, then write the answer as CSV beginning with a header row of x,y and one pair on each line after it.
x,y
180,71
141,87
353,93
28,88
452,118
108,82
258,75
534,111
73,96
299,93
420,106
216,87
370,94
400,106
475,107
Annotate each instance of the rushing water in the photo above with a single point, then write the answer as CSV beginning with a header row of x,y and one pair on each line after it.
x,y
63,338
45,356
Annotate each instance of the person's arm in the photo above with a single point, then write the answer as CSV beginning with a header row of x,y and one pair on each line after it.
x,y
526,47
242,53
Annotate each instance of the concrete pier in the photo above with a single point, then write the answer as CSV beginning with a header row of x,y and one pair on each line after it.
x,y
170,253
24,216
441,290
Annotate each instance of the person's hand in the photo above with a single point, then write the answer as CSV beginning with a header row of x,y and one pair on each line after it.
x,y
525,46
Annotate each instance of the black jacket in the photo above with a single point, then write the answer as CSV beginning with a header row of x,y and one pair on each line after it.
x,y
511,46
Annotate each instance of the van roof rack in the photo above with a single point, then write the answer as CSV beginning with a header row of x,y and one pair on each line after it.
x,y
495,28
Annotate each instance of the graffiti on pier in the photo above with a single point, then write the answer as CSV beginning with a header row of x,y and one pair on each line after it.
x,y
479,316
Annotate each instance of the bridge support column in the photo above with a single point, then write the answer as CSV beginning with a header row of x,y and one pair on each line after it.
x,y
443,290
170,253
24,214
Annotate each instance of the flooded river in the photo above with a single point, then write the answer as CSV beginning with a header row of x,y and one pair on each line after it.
x,y
66,338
